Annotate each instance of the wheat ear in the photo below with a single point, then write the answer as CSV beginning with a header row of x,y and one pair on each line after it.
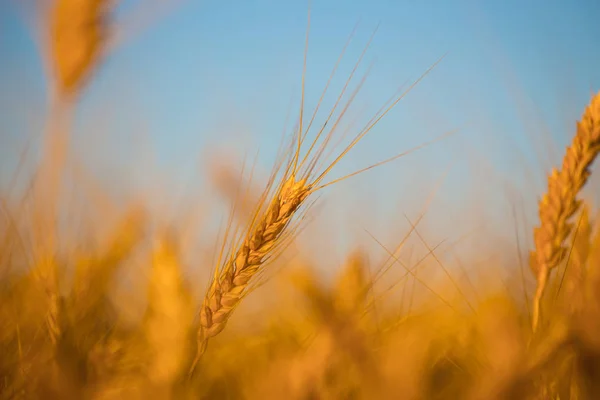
x,y
169,317
226,291
79,31
268,231
560,203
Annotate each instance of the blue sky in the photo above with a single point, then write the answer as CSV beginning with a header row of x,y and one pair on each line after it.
x,y
203,75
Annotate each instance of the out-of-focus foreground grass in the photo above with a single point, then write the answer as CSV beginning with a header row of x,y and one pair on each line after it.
x,y
67,330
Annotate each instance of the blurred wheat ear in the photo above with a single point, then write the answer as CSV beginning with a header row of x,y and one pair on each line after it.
x,y
352,284
169,318
79,30
559,204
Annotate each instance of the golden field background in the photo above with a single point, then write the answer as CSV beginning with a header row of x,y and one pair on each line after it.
x,y
97,300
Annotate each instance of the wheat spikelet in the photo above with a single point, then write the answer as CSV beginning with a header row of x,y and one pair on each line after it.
x,y
559,204
78,34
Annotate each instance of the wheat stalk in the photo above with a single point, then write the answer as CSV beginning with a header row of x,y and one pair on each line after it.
x,y
560,202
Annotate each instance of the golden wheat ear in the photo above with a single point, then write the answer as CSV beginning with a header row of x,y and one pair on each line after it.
x,y
169,318
352,284
559,204
79,32
293,180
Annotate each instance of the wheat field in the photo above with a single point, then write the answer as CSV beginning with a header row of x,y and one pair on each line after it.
x,y
66,330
